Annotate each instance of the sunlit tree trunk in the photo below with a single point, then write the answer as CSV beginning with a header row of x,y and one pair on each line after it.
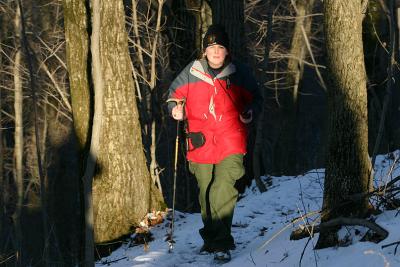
x,y
18,134
347,163
77,48
122,188
201,11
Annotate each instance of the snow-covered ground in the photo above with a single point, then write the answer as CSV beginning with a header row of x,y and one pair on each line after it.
x,y
262,225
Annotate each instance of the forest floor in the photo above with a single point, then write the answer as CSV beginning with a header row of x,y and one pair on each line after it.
x,y
262,226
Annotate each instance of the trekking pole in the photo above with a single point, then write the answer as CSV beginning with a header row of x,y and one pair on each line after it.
x,y
171,240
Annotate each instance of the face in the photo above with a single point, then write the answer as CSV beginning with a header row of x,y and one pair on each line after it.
x,y
216,55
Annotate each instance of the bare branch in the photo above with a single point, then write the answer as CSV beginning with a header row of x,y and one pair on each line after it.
x,y
310,230
55,83
53,52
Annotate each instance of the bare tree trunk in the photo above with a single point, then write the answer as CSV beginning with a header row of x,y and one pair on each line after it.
x,y
389,10
154,168
96,132
2,181
295,68
77,49
123,191
258,161
347,165
201,11
18,135
149,77
398,26
138,46
29,56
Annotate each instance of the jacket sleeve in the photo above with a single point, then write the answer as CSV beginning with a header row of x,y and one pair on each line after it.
x,y
179,87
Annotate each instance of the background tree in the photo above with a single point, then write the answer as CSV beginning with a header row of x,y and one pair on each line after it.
x,y
276,62
2,150
289,97
347,164
18,134
230,14
43,91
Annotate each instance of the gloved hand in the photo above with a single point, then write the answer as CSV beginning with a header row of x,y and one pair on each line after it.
x,y
247,116
177,112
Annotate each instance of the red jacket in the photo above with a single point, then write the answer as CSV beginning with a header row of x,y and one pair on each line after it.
x,y
213,106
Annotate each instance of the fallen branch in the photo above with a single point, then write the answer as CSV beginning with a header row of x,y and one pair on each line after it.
x,y
358,196
295,220
108,262
304,231
341,221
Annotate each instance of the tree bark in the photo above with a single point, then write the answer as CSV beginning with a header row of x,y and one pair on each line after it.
x,y
347,164
122,188
77,47
98,85
77,52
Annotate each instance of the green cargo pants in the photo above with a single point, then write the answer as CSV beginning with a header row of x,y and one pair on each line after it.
x,y
217,199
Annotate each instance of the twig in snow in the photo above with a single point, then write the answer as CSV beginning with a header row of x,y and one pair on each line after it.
x,y
251,257
304,249
397,243
108,262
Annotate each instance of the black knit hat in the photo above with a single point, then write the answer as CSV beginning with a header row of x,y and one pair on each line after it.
x,y
216,35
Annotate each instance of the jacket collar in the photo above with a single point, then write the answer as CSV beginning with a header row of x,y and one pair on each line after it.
x,y
199,68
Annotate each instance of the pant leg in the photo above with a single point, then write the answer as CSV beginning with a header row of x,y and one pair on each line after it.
x,y
223,197
204,176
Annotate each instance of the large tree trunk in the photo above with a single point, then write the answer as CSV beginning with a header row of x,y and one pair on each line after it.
x,y
122,189
347,165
